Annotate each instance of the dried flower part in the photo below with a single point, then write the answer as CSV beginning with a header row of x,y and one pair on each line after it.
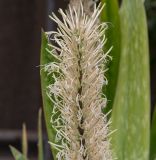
x,y
88,5
81,127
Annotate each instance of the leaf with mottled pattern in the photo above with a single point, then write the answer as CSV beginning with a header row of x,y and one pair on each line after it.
x,y
131,108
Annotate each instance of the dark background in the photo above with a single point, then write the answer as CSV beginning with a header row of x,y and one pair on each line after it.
x,y
20,96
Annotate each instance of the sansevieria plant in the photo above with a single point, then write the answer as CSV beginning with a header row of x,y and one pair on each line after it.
x,y
92,88
78,72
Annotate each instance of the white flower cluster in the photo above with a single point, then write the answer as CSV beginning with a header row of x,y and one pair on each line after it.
x,y
81,127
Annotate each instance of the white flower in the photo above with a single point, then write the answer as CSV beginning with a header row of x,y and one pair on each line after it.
x,y
81,127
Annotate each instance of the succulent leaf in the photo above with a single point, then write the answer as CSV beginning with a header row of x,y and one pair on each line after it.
x,y
131,109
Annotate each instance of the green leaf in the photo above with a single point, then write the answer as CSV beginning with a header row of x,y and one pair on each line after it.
x,y
131,109
110,14
24,141
45,81
17,154
40,137
153,137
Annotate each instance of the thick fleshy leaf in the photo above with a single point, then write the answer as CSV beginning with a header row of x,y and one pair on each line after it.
x,y
40,137
153,137
131,109
17,154
110,14
45,81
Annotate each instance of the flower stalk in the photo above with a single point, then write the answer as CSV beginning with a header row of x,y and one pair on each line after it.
x,y
81,127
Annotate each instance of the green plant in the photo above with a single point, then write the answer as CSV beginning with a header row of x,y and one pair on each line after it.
x,y
131,91
78,72
132,99
24,154
128,83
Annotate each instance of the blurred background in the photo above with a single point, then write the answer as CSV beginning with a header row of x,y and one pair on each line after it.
x,y
20,97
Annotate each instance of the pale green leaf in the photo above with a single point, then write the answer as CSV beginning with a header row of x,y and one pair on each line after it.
x,y
24,141
17,154
131,109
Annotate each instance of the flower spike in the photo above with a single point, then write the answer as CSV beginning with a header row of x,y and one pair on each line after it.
x,y
81,127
